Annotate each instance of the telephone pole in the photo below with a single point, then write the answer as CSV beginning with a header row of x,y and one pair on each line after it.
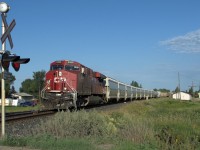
x,y
179,87
4,8
192,87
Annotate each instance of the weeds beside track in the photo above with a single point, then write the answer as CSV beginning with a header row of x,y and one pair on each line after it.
x,y
151,124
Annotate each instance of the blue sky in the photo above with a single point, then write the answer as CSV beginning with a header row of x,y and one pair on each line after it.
x,y
145,41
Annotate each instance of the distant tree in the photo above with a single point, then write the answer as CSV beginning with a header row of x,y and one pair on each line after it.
x,y
8,83
196,95
35,85
27,86
162,90
136,84
38,78
177,90
12,90
191,91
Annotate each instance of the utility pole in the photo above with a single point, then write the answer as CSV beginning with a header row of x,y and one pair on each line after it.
x,y
199,87
192,87
4,8
179,87
3,89
7,57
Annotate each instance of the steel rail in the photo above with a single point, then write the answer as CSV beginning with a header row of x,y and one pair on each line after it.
x,y
27,114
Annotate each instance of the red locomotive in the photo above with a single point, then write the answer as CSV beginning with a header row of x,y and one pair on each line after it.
x,y
70,84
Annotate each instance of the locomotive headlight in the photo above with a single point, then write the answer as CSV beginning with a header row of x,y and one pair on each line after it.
x,y
60,74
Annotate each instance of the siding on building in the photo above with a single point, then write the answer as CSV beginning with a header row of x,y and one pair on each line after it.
x,y
182,96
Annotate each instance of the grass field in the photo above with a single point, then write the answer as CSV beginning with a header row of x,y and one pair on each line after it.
x,y
150,124
20,108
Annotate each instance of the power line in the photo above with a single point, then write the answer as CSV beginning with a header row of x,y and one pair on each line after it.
x,y
192,87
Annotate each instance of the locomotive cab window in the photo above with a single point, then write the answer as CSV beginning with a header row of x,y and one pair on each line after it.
x,y
72,68
57,67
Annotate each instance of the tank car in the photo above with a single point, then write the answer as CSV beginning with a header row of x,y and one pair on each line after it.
x,y
69,84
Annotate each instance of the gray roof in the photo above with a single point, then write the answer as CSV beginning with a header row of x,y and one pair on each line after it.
x,y
23,94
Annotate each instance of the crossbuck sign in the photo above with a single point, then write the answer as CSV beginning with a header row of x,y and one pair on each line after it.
x,y
8,30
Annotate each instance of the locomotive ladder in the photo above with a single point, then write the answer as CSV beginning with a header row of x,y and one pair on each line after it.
x,y
43,91
74,94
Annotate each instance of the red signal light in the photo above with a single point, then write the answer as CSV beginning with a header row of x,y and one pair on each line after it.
x,y
6,59
16,66
16,61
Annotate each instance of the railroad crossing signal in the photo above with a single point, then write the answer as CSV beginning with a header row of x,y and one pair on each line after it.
x,y
8,30
6,58
16,61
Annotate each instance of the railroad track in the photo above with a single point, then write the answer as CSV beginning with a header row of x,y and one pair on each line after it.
x,y
27,114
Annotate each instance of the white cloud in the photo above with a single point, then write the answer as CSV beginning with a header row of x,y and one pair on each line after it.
x,y
188,43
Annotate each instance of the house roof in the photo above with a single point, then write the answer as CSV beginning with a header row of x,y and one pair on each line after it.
x,y
23,94
182,93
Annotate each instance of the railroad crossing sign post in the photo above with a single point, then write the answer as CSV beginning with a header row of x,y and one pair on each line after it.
x,y
4,8
7,57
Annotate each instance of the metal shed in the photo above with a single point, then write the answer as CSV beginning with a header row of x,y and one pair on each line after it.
x,y
182,96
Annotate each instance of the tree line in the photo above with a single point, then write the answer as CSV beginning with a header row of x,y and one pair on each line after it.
x,y
32,86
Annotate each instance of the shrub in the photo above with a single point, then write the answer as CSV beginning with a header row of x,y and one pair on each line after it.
x,y
76,124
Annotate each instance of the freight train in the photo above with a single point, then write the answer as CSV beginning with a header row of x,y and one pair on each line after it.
x,y
70,85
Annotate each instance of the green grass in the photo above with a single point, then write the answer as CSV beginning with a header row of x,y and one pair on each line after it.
x,y
19,108
49,142
152,124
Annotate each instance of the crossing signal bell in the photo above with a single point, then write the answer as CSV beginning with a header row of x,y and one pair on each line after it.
x,y
16,61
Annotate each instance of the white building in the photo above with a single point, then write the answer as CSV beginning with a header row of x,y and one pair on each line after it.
x,y
182,96
8,102
25,96
17,97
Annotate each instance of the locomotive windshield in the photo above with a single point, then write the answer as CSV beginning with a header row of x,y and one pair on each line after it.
x,y
71,68
57,67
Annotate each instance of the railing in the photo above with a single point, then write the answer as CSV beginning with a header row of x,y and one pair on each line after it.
x,y
43,91
74,94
